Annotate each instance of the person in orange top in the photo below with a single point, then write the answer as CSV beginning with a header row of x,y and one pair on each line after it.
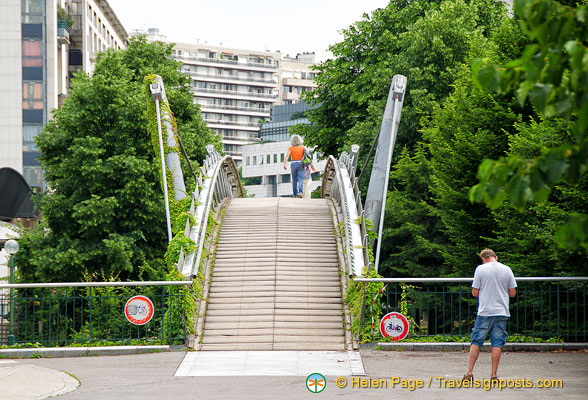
x,y
296,151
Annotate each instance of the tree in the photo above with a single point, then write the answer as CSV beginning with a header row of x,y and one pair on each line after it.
x,y
552,75
427,41
104,215
528,240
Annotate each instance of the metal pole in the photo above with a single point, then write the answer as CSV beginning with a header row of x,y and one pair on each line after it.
x,y
163,173
11,338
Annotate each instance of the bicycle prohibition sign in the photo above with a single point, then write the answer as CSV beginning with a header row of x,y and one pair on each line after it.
x,y
394,325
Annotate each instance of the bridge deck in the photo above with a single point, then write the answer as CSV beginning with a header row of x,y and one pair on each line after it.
x,y
276,281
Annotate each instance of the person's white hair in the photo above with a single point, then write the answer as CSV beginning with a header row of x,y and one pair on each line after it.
x,y
296,140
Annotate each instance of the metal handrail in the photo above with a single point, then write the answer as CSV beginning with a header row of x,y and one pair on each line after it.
x,y
219,179
439,280
340,186
92,284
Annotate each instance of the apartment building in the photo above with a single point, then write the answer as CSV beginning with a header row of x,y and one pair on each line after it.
x,y
41,47
297,77
236,88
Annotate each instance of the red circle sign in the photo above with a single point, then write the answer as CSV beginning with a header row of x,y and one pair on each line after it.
x,y
394,325
139,310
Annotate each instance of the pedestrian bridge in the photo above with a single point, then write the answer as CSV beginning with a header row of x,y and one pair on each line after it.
x,y
275,271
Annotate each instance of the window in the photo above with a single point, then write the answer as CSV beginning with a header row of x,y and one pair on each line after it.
x,y
32,96
29,134
268,159
254,160
282,157
247,161
32,12
33,175
275,158
31,53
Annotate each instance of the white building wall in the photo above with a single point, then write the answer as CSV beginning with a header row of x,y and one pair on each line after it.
x,y
51,54
11,85
255,164
99,31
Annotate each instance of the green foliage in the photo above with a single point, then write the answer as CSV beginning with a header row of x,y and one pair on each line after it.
x,y
552,74
431,43
61,13
427,41
355,295
105,213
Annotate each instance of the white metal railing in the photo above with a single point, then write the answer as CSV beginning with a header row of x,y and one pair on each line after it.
x,y
339,185
93,284
219,179
470,279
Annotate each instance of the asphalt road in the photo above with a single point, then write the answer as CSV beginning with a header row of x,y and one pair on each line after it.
x,y
151,376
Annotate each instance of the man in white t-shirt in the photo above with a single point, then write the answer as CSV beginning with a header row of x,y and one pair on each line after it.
x,y
494,283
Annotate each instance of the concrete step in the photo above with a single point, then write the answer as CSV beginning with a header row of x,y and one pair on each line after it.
x,y
242,339
281,318
276,282
238,346
304,325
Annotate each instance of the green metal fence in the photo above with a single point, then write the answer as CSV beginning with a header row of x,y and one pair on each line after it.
x,y
87,314
543,307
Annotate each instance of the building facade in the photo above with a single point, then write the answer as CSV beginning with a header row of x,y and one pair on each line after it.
x,y
282,119
234,88
263,163
237,88
297,77
43,42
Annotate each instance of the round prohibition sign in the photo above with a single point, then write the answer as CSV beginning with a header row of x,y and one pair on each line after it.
x,y
394,325
139,310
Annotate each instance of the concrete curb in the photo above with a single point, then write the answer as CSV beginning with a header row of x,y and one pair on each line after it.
x,y
59,352
445,346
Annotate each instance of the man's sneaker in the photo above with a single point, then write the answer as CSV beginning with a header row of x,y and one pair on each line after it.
x,y
467,378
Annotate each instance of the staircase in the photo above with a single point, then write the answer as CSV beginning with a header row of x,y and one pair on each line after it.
x,y
275,284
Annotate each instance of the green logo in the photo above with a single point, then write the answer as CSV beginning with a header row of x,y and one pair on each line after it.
x,y
316,383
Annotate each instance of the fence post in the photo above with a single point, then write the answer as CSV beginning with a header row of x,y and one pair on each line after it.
x,y
91,305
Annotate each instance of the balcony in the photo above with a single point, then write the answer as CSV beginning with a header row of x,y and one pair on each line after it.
x,y
290,96
309,83
232,63
247,95
223,78
62,31
235,110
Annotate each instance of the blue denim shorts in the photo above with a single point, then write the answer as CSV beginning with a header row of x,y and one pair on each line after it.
x,y
496,325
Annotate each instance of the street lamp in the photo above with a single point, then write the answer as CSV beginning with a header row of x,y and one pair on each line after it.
x,y
11,247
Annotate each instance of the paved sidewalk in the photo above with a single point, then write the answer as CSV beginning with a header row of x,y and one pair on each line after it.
x,y
20,381
151,376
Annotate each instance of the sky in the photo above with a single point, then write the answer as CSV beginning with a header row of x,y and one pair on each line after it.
x,y
289,26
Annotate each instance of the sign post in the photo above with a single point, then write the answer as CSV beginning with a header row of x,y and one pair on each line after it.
x,y
139,310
